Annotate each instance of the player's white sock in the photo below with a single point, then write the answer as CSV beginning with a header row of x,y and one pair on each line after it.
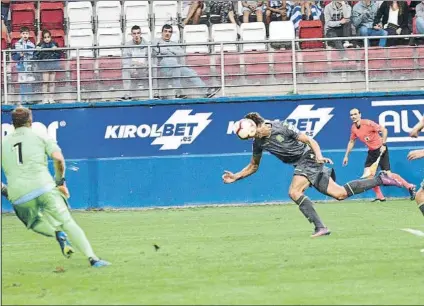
x,y
78,238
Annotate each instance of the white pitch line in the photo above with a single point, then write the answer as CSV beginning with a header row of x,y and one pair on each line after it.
x,y
413,232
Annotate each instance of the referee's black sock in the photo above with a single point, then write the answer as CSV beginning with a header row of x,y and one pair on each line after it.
x,y
308,210
359,186
421,207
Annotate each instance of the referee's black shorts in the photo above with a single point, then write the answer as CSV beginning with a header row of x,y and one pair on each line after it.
x,y
384,160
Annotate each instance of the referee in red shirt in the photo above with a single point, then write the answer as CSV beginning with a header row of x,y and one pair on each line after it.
x,y
374,136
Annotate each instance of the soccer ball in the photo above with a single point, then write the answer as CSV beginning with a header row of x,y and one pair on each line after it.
x,y
245,128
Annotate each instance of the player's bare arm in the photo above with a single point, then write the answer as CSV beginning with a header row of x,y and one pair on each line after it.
x,y
59,169
251,168
416,154
349,149
315,147
417,129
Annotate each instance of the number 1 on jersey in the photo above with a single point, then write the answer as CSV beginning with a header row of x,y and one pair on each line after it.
x,y
18,148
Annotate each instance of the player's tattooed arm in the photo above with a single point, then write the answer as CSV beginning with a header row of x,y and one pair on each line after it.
x,y
417,128
251,168
315,147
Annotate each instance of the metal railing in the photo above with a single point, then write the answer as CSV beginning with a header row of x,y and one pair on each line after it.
x,y
281,68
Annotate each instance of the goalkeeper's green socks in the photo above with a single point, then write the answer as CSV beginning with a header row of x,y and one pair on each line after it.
x,y
78,238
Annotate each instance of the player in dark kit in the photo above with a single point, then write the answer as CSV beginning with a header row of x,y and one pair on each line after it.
x,y
295,148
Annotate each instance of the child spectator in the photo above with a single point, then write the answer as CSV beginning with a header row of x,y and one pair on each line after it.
x,y
48,63
23,54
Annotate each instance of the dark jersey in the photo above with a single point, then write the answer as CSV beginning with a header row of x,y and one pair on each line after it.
x,y
283,143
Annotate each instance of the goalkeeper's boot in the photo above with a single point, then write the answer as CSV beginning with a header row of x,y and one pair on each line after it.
x,y
323,231
98,263
412,192
64,243
387,180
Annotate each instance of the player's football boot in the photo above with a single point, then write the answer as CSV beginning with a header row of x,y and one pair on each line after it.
x,y
377,199
324,231
97,263
64,243
387,180
412,192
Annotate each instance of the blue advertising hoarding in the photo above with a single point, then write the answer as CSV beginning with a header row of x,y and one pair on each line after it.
x,y
129,156
207,128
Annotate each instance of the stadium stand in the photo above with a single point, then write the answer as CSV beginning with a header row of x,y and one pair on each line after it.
x,y
248,55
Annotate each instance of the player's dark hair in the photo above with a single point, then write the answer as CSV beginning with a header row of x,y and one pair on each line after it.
x,y
166,26
21,116
135,27
24,29
255,117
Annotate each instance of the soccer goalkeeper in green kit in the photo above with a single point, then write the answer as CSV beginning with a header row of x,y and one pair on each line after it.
x,y
40,201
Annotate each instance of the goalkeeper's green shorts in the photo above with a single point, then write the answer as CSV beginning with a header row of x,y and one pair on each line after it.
x,y
51,206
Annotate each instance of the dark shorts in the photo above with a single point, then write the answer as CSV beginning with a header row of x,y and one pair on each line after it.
x,y
373,156
4,11
50,66
317,174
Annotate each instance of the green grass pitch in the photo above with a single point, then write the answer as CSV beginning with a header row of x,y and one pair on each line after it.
x,y
224,255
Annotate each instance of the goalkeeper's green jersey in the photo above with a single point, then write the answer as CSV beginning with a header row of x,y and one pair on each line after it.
x,y
24,161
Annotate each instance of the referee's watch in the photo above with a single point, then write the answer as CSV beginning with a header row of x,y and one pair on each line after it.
x,y
60,182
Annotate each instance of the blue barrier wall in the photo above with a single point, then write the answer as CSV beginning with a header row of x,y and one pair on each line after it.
x,y
137,154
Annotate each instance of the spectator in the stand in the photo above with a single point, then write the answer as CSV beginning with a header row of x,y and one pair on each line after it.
x,y
225,9
194,13
394,17
48,62
419,13
5,6
412,7
134,61
305,10
363,16
250,7
276,10
171,61
337,23
23,54
222,8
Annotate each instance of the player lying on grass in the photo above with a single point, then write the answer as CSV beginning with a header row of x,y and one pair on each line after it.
x,y
39,201
295,148
368,132
416,154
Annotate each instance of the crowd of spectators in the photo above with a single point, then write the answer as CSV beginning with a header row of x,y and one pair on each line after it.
x,y
340,19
